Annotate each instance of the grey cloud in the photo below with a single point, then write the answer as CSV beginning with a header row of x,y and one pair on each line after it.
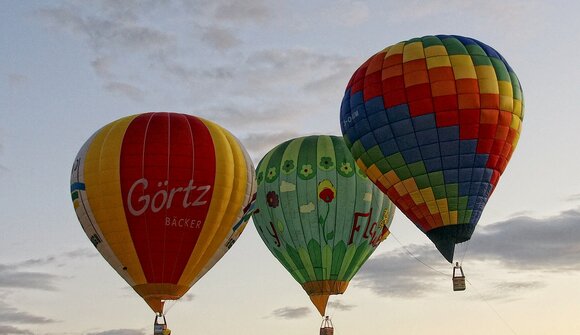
x,y
220,38
348,13
127,90
258,144
521,243
11,277
245,11
12,315
120,332
10,330
291,312
340,306
17,79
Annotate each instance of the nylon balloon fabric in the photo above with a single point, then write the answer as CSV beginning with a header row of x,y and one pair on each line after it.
x,y
433,122
162,196
318,213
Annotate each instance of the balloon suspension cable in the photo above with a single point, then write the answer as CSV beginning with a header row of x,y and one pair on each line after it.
x,y
416,258
169,305
492,309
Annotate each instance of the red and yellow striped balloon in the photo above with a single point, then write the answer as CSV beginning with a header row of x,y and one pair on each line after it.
x,y
162,196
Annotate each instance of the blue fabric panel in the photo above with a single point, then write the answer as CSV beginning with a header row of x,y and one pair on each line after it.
x,y
406,142
399,112
448,133
411,155
450,162
477,174
487,175
451,176
481,160
430,151
378,120
433,164
450,148
465,175
428,136
464,189
368,140
389,147
468,146
362,126
424,122
374,105
402,127
352,134
466,160
383,133
356,99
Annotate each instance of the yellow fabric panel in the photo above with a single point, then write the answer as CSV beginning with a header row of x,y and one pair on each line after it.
x,y
463,67
438,61
505,88
385,182
395,49
413,51
488,86
516,123
435,50
445,217
225,190
506,103
105,198
400,189
392,177
361,165
453,217
485,72
417,197
410,185
373,172
432,205
518,108
427,194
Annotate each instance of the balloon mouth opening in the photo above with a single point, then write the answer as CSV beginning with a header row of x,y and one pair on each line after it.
x,y
320,290
155,295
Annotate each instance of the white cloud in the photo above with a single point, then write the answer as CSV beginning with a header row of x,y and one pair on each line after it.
x,y
291,312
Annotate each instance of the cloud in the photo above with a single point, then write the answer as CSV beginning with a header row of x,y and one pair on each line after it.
x,y
12,277
127,90
10,330
260,143
241,11
220,38
120,332
340,306
17,79
521,243
348,13
291,312
12,315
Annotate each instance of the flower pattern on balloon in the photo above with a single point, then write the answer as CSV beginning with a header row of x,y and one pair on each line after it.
x,y
326,191
345,169
288,166
306,171
272,199
271,175
326,163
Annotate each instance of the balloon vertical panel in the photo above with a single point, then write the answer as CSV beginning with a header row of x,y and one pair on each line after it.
x,y
318,215
162,196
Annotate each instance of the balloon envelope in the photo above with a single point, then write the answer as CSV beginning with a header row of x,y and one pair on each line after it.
x,y
433,122
318,213
162,196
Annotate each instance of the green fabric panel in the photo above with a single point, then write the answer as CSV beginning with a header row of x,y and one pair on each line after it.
x,y
403,173
500,70
480,60
299,266
429,41
517,89
357,260
452,190
452,203
422,181
366,159
475,49
396,160
357,149
454,46
413,40
383,165
462,203
417,168
375,154
436,178
337,257
439,191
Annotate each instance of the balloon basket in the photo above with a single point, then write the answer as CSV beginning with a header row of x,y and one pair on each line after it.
x,y
326,328
458,278
160,325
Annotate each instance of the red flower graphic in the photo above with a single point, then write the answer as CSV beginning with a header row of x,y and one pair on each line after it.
x,y
272,199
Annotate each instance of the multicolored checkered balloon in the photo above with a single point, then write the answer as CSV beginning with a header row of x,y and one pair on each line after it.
x,y
433,121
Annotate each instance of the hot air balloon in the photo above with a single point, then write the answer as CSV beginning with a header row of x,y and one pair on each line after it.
x,y
433,122
162,196
318,213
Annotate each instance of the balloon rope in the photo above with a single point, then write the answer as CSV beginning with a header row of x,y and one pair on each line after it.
x,y
171,305
491,307
416,258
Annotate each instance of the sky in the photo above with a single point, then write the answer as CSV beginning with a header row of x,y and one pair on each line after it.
x,y
269,71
